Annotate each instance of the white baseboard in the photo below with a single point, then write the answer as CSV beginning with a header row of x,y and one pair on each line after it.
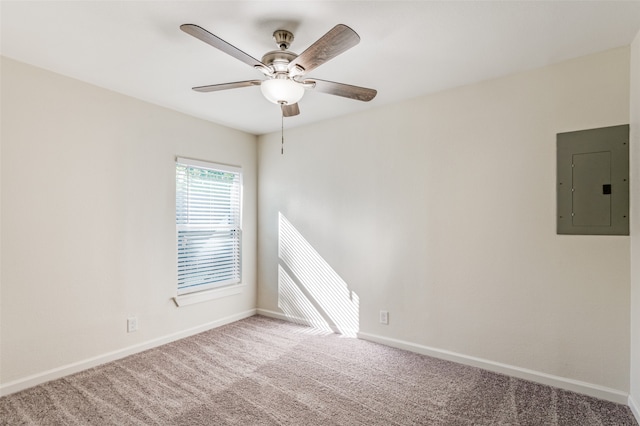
x,y
294,319
279,315
590,389
56,373
634,408
578,386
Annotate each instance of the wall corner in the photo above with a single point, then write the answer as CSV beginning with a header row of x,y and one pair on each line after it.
x,y
634,121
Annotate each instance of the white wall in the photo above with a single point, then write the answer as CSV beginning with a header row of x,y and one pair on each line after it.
x,y
634,399
88,223
441,210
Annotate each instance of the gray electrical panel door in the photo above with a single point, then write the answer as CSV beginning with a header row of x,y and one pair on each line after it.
x,y
591,204
593,181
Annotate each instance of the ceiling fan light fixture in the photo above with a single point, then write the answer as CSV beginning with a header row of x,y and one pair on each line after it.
x,y
282,91
285,70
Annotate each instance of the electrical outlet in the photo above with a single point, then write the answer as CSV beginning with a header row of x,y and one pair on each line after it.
x,y
132,324
384,317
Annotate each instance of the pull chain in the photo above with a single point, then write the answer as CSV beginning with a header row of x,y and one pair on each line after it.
x,y
282,133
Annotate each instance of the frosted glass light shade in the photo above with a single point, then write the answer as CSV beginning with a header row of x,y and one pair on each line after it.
x,y
280,90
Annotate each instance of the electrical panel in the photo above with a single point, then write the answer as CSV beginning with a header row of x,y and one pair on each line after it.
x,y
593,181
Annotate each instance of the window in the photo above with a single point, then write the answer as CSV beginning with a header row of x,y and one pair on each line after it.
x,y
208,225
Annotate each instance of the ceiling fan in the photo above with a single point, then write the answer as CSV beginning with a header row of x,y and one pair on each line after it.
x,y
285,71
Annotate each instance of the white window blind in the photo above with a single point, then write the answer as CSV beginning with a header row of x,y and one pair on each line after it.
x,y
208,225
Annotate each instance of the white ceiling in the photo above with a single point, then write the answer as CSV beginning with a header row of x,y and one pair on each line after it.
x,y
407,48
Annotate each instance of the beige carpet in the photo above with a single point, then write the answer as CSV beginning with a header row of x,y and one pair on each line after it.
x,y
261,371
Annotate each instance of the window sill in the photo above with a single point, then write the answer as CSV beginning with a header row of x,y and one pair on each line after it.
x,y
203,296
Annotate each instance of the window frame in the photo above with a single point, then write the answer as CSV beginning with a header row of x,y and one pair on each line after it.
x,y
214,289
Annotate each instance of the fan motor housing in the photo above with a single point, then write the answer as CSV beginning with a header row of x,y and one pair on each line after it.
x,y
279,59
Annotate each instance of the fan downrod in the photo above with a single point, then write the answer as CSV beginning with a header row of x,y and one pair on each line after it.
x,y
279,59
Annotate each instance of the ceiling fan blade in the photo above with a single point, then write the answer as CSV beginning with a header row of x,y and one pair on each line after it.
x,y
215,41
290,110
327,47
340,89
225,86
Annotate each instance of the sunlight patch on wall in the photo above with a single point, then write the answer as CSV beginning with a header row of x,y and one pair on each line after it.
x,y
295,305
309,290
